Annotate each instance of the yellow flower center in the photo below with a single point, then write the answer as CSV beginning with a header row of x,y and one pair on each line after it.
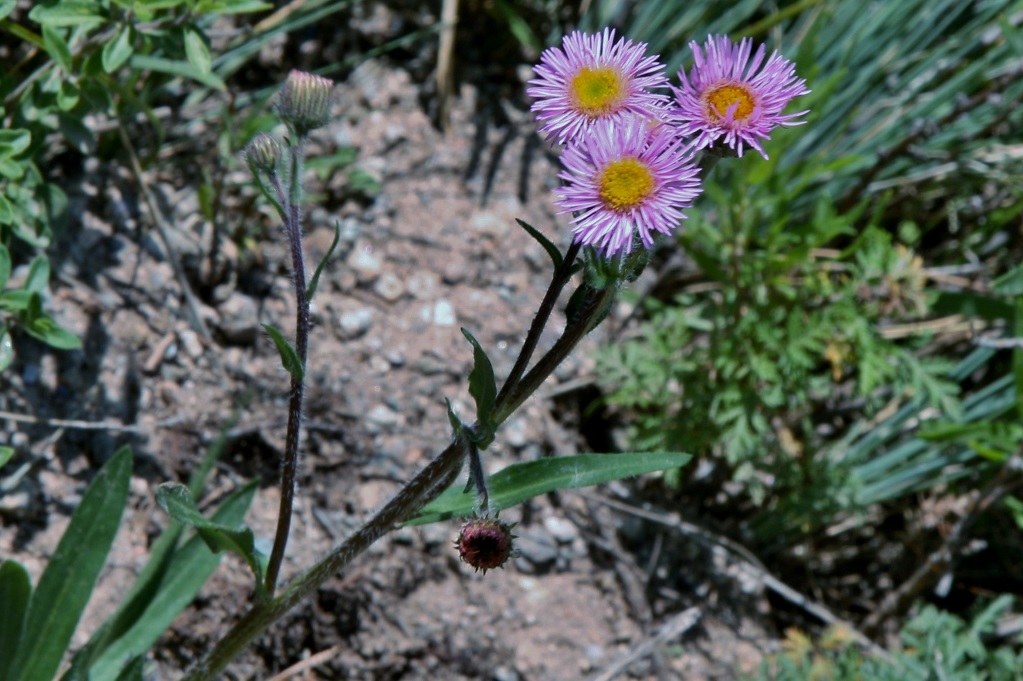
x,y
722,97
625,184
596,91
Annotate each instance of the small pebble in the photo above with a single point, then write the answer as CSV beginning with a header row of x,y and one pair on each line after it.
x,y
355,323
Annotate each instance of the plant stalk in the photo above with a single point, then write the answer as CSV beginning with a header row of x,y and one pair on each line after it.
x,y
289,464
421,490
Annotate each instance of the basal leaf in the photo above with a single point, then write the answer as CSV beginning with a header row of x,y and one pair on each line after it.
x,y
523,481
15,592
67,582
289,357
189,568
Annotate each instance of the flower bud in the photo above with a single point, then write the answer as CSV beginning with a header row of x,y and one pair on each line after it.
x,y
263,153
304,101
485,543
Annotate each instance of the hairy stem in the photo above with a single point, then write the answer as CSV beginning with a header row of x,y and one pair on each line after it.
x,y
289,464
561,277
574,332
421,490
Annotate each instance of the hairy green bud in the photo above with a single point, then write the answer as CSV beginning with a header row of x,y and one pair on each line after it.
x,y
304,102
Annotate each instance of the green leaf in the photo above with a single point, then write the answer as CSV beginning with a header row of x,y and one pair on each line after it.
x,y
16,301
133,670
315,281
6,215
6,454
456,423
38,274
76,132
519,482
6,349
197,52
6,7
44,327
1010,283
177,501
15,593
154,578
12,170
13,142
231,6
67,582
68,95
551,249
482,386
189,568
117,51
57,48
289,358
67,13
5,266
178,68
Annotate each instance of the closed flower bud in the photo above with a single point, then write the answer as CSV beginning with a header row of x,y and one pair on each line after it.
x,y
485,543
263,153
304,101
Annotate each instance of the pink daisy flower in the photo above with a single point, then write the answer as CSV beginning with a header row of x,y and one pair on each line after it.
x,y
725,96
594,77
623,177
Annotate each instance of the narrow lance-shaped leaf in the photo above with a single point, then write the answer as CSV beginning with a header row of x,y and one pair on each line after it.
x,y
519,482
15,592
551,249
483,388
67,582
177,501
289,357
315,281
189,569
154,578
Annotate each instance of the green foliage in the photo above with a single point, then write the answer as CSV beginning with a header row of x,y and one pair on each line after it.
x,y
66,583
816,265
289,356
176,500
73,59
523,481
483,388
935,645
781,324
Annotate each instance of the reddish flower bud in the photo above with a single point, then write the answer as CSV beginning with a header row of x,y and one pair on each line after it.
x,y
304,101
485,543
